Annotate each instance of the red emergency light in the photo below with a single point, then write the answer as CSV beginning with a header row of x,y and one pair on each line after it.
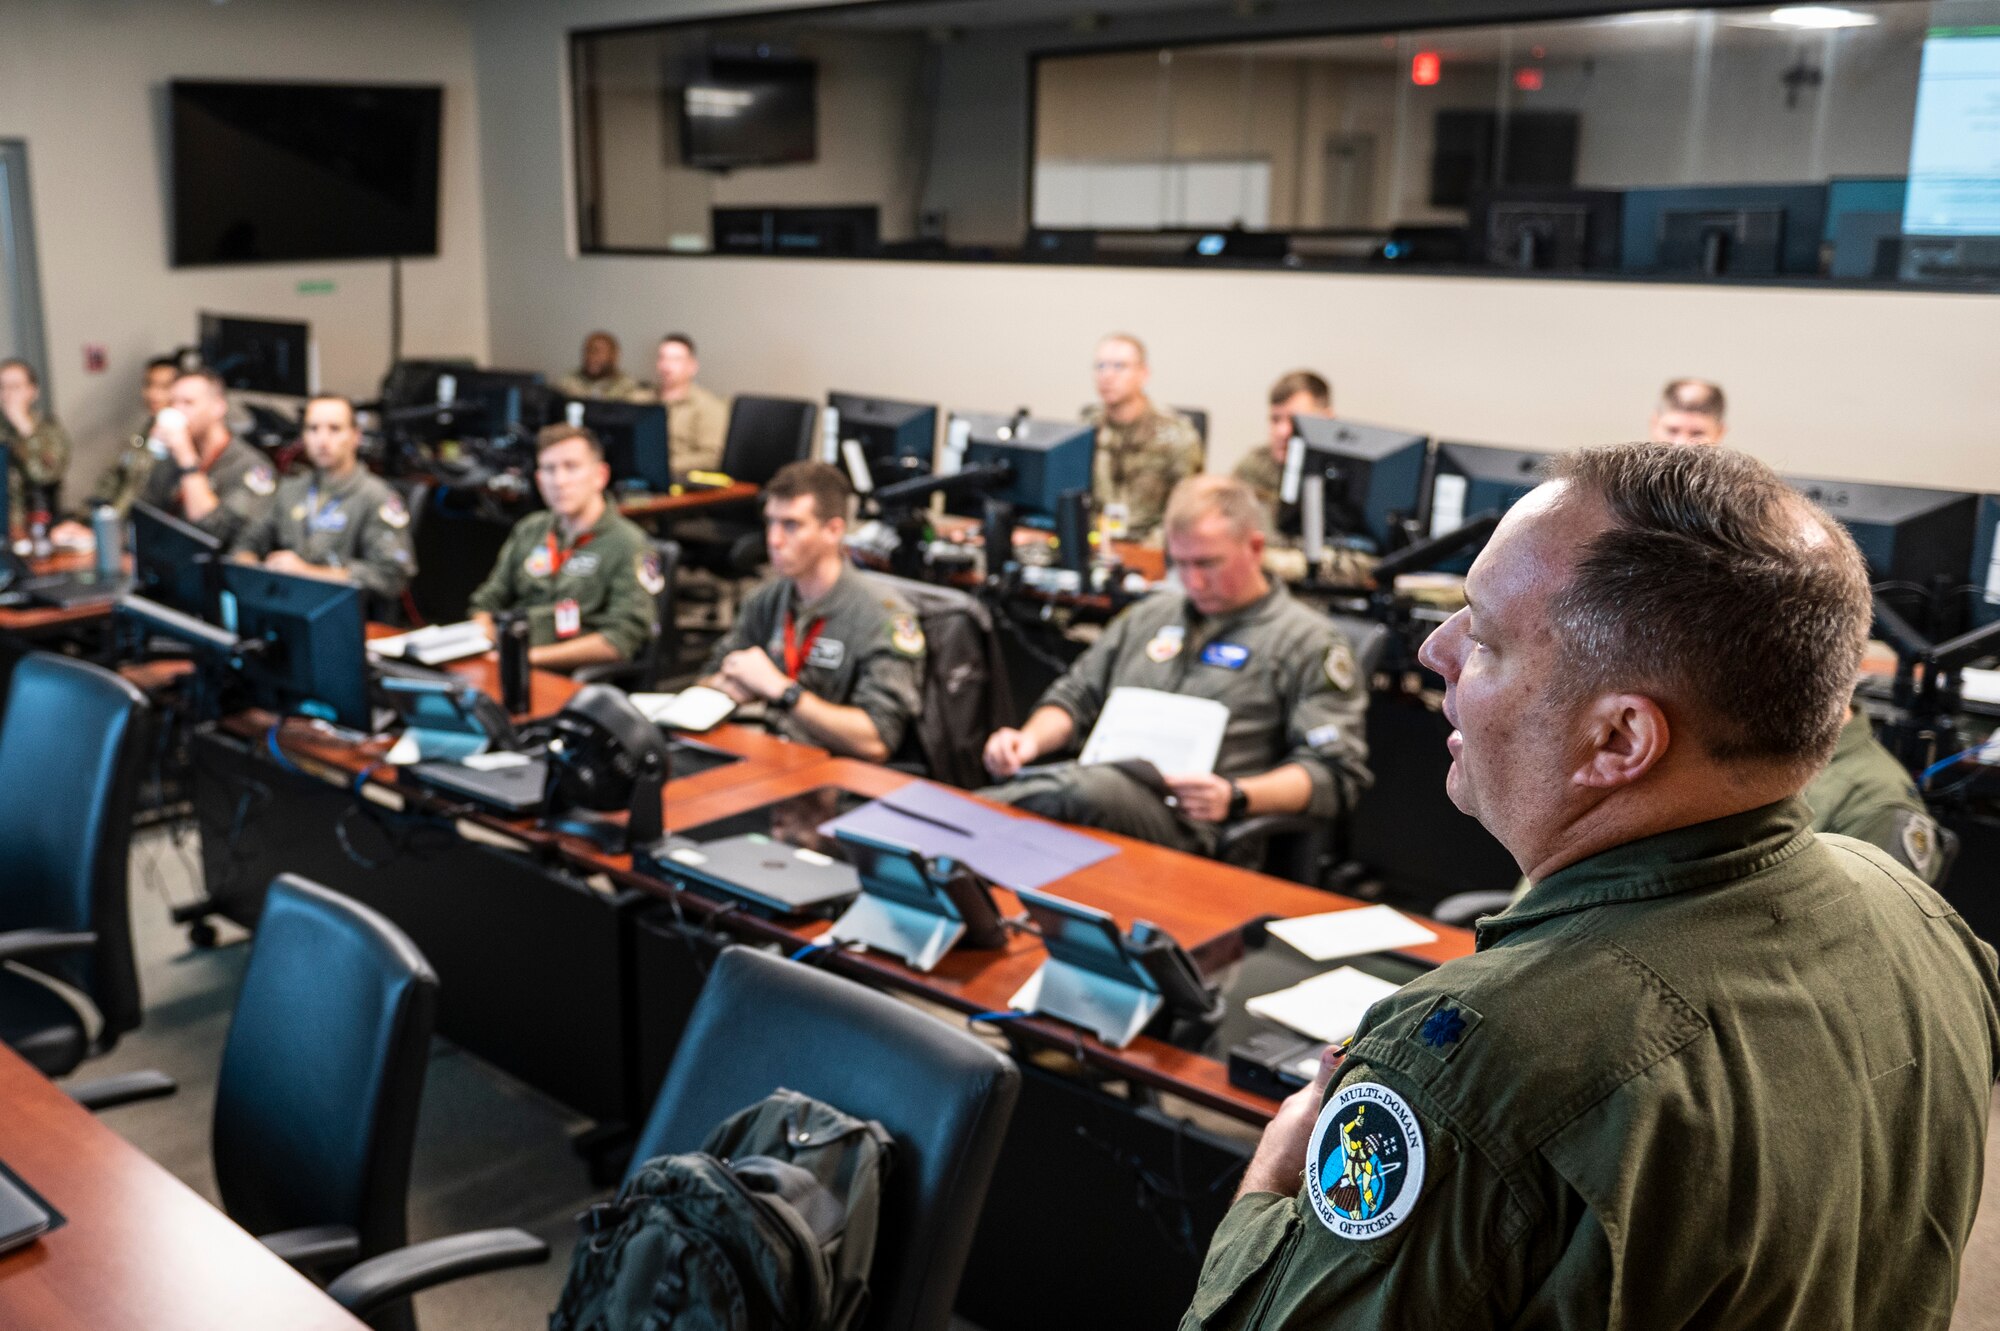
x,y
1528,79
1425,68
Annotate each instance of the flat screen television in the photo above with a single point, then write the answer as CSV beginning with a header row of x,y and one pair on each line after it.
x,y
267,172
750,112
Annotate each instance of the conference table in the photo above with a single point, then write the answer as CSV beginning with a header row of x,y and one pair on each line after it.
x,y
137,1247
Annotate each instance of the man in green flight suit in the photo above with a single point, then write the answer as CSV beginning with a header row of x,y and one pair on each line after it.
x,y
1866,794
39,445
1715,1069
1295,741
585,575
202,472
338,521
1143,451
837,659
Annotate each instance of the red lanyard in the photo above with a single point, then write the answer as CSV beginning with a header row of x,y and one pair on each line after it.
x,y
558,556
796,652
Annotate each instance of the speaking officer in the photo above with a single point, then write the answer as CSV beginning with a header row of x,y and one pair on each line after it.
x,y
1715,1069
202,472
1295,740
585,574
339,521
838,659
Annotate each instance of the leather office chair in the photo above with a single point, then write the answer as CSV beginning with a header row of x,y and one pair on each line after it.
x,y
662,653
316,1103
73,745
1296,846
965,690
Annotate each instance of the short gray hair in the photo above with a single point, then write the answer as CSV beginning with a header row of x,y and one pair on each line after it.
x,y
1206,492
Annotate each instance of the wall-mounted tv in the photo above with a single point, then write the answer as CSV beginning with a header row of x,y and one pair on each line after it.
x,y
750,112
264,172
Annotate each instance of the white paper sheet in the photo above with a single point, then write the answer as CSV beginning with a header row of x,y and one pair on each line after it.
x,y
1173,732
1326,1007
436,644
1351,933
695,708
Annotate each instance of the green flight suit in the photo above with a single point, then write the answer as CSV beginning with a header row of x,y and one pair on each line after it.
x,y
868,652
241,477
357,524
1138,465
1734,1075
1287,675
39,462
611,572
1865,793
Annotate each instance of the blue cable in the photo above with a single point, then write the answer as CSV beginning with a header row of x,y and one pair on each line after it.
x,y
1923,777
1006,1014
808,950
278,754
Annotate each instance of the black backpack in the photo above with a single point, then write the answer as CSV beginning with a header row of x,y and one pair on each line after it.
x,y
771,1225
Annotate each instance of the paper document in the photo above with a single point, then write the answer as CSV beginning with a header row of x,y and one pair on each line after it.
x,y
1012,851
1979,685
1175,733
435,645
694,708
1351,933
1327,1007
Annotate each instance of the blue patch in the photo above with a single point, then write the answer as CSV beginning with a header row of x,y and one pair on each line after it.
x,y
331,519
1443,1027
1228,655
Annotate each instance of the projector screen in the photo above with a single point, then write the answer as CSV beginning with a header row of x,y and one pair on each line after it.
x,y
1955,144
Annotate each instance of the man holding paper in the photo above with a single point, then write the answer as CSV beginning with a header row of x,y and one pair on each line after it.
x,y
1211,702
1715,1067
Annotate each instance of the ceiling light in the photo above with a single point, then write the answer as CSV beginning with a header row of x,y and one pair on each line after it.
x,y
1821,17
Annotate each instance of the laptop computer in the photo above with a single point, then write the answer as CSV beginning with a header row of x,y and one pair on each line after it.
x,y
770,877
508,783
65,590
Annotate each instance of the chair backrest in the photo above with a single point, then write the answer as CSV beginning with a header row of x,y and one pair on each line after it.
x,y
764,434
965,689
73,747
1198,418
945,1097
1367,639
316,1103
664,647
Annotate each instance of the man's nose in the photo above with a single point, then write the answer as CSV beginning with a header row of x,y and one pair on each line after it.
x,y
1437,653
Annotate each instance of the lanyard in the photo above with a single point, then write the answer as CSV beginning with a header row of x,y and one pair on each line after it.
x,y
796,652
314,512
559,556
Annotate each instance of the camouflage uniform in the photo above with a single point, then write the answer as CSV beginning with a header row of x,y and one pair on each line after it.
x,y
615,387
39,463
1139,464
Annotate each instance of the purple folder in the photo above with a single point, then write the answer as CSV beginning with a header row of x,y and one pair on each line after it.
x,y
1013,852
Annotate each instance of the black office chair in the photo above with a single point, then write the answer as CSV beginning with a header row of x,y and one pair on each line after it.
x,y
662,653
73,746
763,1022
765,433
316,1102
1297,846
1198,418
966,695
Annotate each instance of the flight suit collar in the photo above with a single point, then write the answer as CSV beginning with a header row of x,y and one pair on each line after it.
x,y
1701,855
1248,614
595,529
328,488
807,611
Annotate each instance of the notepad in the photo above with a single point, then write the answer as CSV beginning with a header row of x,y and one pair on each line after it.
x,y
1351,933
1174,732
435,645
1327,1007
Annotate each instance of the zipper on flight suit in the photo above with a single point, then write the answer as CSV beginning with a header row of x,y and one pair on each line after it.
x,y
1283,1265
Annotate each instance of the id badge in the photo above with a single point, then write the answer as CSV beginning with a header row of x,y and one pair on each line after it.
x,y
1116,521
569,618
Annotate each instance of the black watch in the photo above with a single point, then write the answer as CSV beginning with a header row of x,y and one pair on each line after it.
x,y
1239,801
789,699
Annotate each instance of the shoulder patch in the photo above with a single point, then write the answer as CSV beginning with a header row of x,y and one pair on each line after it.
x,y
260,480
1365,1167
1341,671
652,576
906,636
1919,840
393,514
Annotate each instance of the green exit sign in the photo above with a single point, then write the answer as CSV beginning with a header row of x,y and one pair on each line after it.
x,y
316,288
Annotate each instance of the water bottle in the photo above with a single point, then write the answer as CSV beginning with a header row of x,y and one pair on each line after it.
x,y
512,630
109,533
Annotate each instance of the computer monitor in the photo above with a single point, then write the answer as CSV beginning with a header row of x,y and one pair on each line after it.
x,y
634,435
1861,213
1470,479
1724,229
509,401
1985,577
1368,478
1045,460
1906,534
174,562
1558,230
896,440
415,383
258,355
311,660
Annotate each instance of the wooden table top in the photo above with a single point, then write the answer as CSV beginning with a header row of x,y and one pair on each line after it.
x,y
140,1248
28,620
649,506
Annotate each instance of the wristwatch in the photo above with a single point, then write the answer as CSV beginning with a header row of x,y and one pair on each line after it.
x,y
789,699
1239,801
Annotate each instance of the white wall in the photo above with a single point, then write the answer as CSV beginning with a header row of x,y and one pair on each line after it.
x,y
83,82
1888,386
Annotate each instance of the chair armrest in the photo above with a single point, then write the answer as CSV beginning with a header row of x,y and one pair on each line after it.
x,y
122,1089
21,944
1464,907
314,1247
364,1288
1260,828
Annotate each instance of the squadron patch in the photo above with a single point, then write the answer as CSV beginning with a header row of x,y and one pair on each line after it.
x,y
538,564
827,654
1365,1166
393,514
1166,644
581,564
260,481
1340,668
651,576
905,636
1920,846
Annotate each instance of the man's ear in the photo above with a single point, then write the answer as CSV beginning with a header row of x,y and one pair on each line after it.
x,y
1625,735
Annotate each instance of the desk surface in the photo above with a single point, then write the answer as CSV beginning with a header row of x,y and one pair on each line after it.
x,y
140,1248
29,620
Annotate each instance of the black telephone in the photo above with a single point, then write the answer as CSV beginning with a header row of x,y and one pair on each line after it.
x,y
1188,996
1147,957
972,895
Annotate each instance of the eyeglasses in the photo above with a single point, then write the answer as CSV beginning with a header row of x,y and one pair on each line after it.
x,y
1104,365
